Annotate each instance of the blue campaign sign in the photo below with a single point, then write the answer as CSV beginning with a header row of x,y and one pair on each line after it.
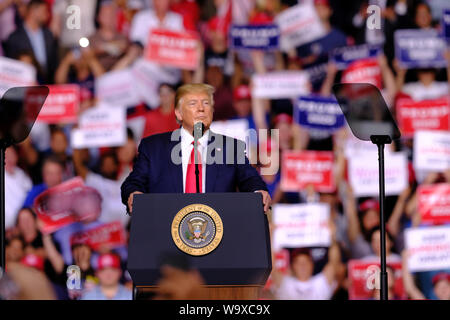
x,y
415,48
319,113
260,37
446,23
344,56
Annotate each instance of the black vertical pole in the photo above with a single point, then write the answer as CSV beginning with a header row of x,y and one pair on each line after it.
x,y
383,274
2,208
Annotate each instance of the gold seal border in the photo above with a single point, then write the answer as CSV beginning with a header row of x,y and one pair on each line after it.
x,y
176,224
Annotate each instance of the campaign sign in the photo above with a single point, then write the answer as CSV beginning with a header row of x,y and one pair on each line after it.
x,y
428,248
101,126
431,150
303,168
175,49
365,279
111,235
15,73
415,48
237,128
363,174
434,203
281,264
344,56
66,203
423,115
299,25
117,88
254,37
363,71
319,113
446,24
280,84
61,105
301,225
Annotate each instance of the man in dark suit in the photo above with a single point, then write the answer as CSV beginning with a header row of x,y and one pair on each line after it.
x,y
165,162
34,38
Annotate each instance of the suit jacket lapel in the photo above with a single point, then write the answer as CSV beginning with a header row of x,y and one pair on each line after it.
x,y
176,169
211,167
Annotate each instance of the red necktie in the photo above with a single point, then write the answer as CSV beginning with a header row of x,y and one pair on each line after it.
x,y
191,186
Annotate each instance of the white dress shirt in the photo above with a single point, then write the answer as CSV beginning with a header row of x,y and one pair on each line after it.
x,y
186,149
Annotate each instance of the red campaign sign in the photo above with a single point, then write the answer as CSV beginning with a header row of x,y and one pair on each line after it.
x,y
364,276
175,49
434,203
423,115
302,168
66,203
363,71
110,234
280,264
61,105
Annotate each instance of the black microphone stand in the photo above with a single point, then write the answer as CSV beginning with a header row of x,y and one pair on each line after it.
x,y
380,141
199,128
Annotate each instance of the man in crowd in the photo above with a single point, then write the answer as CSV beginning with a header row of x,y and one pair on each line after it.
x,y
35,37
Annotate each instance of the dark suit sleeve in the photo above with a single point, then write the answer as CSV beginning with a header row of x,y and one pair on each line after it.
x,y
248,179
138,178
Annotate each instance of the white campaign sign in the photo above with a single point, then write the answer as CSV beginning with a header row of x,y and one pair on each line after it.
x,y
363,173
233,128
301,225
431,150
101,126
280,84
428,248
117,88
299,25
15,73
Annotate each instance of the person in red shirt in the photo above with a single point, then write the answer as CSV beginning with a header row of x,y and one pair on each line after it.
x,y
162,119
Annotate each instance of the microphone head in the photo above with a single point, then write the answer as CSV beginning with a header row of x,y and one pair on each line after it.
x,y
199,128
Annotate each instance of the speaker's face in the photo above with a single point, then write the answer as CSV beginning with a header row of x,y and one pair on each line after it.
x,y
195,107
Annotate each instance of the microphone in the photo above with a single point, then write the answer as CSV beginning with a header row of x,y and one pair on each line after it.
x,y
199,128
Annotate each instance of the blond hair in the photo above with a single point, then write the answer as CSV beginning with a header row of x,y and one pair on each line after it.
x,y
194,88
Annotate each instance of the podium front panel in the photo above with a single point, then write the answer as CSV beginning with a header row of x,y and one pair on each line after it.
x,y
243,256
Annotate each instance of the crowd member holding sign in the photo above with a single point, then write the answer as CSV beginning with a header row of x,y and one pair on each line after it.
x,y
302,284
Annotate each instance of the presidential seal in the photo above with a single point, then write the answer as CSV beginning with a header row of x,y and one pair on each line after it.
x,y
197,229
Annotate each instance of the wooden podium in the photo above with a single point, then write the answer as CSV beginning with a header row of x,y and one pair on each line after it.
x,y
209,292
235,269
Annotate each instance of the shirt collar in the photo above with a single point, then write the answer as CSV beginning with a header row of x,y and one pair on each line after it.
x,y
187,138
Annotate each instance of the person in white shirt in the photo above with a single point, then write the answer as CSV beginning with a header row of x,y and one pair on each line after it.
x,y
426,88
302,284
158,17
17,185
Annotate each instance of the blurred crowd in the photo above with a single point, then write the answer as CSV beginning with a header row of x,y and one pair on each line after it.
x,y
37,33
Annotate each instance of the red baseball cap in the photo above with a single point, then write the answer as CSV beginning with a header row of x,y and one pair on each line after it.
x,y
34,261
440,276
218,24
322,2
283,117
108,260
369,204
241,92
